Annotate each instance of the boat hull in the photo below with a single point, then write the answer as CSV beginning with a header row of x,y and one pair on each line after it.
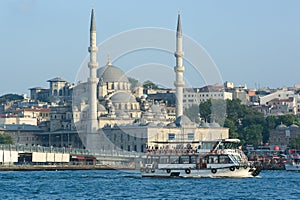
x,y
292,167
240,172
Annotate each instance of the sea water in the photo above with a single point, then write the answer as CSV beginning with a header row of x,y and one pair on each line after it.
x,y
118,184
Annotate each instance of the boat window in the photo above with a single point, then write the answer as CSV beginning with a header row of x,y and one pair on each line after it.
x,y
164,160
174,159
193,159
224,159
237,158
184,159
213,159
207,145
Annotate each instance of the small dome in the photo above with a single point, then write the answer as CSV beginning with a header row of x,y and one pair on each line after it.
x,y
122,97
205,125
110,73
155,108
214,125
75,109
281,127
294,126
171,125
100,107
122,114
160,124
183,121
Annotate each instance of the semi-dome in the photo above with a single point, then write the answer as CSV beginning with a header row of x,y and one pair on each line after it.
x,y
122,114
281,127
121,97
205,125
183,121
110,73
100,107
294,126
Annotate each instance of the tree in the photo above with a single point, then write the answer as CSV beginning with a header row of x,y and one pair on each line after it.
x,y
205,110
150,85
295,143
287,120
6,139
10,97
252,134
192,113
133,83
232,128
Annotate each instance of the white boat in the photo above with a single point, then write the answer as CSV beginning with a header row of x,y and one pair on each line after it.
x,y
293,164
223,159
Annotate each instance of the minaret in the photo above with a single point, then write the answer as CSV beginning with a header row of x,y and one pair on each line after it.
x,y
93,80
179,69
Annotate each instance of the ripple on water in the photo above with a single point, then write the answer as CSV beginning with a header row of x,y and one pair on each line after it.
x,y
102,184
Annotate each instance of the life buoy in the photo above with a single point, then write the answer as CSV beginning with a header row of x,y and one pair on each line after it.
x,y
255,173
188,171
213,171
168,170
152,170
232,168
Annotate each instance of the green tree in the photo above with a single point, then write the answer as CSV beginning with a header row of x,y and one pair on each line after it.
x,y
252,134
150,85
133,83
205,110
192,113
10,97
6,139
232,128
295,143
287,120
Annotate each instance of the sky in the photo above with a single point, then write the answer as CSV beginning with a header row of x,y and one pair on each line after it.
x,y
254,43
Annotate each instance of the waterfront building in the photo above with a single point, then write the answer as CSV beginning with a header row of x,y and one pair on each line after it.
x,y
22,133
192,96
59,90
282,135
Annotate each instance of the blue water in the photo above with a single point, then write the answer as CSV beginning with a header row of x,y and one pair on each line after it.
x,y
102,184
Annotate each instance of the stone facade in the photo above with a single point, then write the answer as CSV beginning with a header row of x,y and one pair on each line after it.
x,y
282,135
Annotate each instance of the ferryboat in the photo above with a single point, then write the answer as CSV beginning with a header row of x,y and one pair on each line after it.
x,y
220,158
293,165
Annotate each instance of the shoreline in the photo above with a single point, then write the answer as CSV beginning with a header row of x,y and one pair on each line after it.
x,y
58,167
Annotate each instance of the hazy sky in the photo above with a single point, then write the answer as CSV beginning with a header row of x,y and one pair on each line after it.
x,y
252,42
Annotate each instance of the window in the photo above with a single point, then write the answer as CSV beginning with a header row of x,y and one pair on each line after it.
x,y
171,136
190,136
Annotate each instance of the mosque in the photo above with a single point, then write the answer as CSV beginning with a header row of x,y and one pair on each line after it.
x,y
111,115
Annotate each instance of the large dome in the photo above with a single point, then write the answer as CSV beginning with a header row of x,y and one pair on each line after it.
x,y
110,73
121,97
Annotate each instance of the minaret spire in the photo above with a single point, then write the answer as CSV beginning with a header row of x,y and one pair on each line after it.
x,y
93,24
179,69
93,80
108,60
179,30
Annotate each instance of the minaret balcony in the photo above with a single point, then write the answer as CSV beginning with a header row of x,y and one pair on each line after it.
x,y
179,68
93,65
179,54
180,84
93,49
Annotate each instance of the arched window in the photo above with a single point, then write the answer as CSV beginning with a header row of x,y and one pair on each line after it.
x,y
55,92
